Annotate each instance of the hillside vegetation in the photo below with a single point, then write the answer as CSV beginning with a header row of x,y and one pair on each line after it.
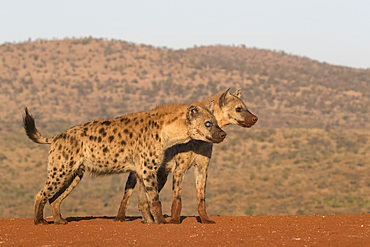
x,y
308,153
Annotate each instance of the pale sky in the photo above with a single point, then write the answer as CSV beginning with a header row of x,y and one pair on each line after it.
x,y
332,31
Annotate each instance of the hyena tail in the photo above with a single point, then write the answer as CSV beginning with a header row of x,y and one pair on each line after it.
x,y
31,131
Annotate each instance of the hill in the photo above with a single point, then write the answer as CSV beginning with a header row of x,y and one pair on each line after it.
x,y
309,152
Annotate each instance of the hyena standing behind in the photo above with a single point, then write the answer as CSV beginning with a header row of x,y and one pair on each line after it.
x,y
134,142
228,109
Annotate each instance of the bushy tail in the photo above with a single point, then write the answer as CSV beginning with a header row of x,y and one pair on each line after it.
x,y
31,131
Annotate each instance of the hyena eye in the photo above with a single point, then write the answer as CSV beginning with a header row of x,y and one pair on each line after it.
x,y
238,109
208,124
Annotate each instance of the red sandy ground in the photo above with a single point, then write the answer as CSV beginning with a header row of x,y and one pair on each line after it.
x,y
307,230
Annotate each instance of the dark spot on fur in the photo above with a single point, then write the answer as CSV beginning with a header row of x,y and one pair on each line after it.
x,y
99,139
102,130
123,143
107,123
111,138
105,150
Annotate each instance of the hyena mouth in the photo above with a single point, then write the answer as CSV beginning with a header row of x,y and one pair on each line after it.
x,y
244,124
214,140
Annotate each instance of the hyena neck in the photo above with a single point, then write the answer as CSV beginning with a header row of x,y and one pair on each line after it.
x,y
172,136
217,112
174,130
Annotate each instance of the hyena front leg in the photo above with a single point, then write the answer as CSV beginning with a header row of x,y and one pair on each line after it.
x,y
150,183
130,185
178,178
143,204
200,171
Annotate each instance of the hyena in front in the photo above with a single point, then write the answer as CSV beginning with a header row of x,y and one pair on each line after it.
x,y
228,109
134,142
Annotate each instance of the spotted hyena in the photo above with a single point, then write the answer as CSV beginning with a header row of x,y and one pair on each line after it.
x,y
134,142
228,109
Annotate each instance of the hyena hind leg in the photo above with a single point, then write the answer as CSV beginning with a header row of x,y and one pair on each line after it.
x,y
57,199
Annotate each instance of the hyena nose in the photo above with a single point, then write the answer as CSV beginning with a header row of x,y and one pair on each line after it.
x,y
254,119
222,134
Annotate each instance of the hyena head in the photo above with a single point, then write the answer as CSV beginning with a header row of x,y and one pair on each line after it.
x,y
202,125
234,109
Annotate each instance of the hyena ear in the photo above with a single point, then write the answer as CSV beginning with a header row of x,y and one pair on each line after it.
x,y
222,99
210,106
238,93
192,112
